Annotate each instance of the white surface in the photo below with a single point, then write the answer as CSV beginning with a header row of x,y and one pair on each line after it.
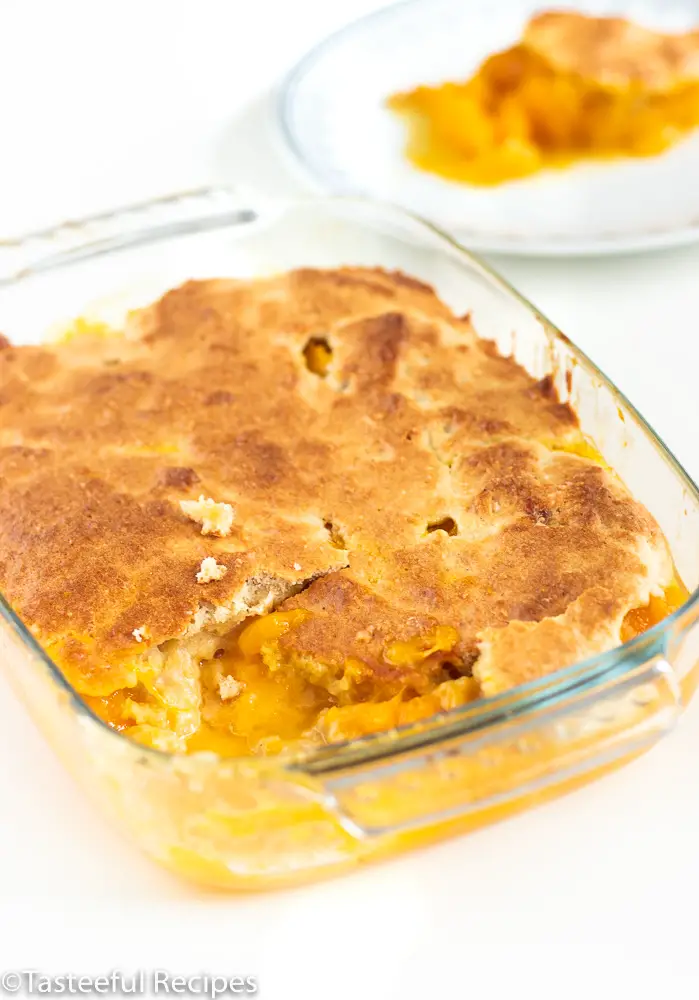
x,y
591,208
594,895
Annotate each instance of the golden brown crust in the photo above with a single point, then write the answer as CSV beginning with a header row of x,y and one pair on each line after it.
x,y
537,530
407,480
527,650
612,51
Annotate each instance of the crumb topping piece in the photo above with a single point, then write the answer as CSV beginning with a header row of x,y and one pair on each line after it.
x,y
211,570
215,518
229,688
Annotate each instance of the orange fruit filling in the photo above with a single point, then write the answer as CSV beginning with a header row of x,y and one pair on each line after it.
x,y
274,709
517,115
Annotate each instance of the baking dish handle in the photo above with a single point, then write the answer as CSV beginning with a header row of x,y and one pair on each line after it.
x,y
148,222
521,760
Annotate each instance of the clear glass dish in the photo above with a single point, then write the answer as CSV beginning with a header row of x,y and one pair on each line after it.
x,y
256,822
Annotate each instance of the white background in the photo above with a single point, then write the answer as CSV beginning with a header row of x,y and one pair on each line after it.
x,y
105,102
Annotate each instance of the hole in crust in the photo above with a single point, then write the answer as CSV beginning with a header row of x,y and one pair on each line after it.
x,y
447,524
463,667
336,538
453,671
318,354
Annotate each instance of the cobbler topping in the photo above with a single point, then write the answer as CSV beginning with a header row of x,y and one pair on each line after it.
x,y
395,519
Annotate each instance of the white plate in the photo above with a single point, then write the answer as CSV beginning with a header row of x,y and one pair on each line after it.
x,y
334,120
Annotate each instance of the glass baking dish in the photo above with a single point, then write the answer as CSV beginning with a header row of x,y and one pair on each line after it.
x,y
255,822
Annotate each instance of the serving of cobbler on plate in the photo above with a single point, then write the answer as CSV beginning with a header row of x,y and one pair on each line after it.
x,y
574,87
